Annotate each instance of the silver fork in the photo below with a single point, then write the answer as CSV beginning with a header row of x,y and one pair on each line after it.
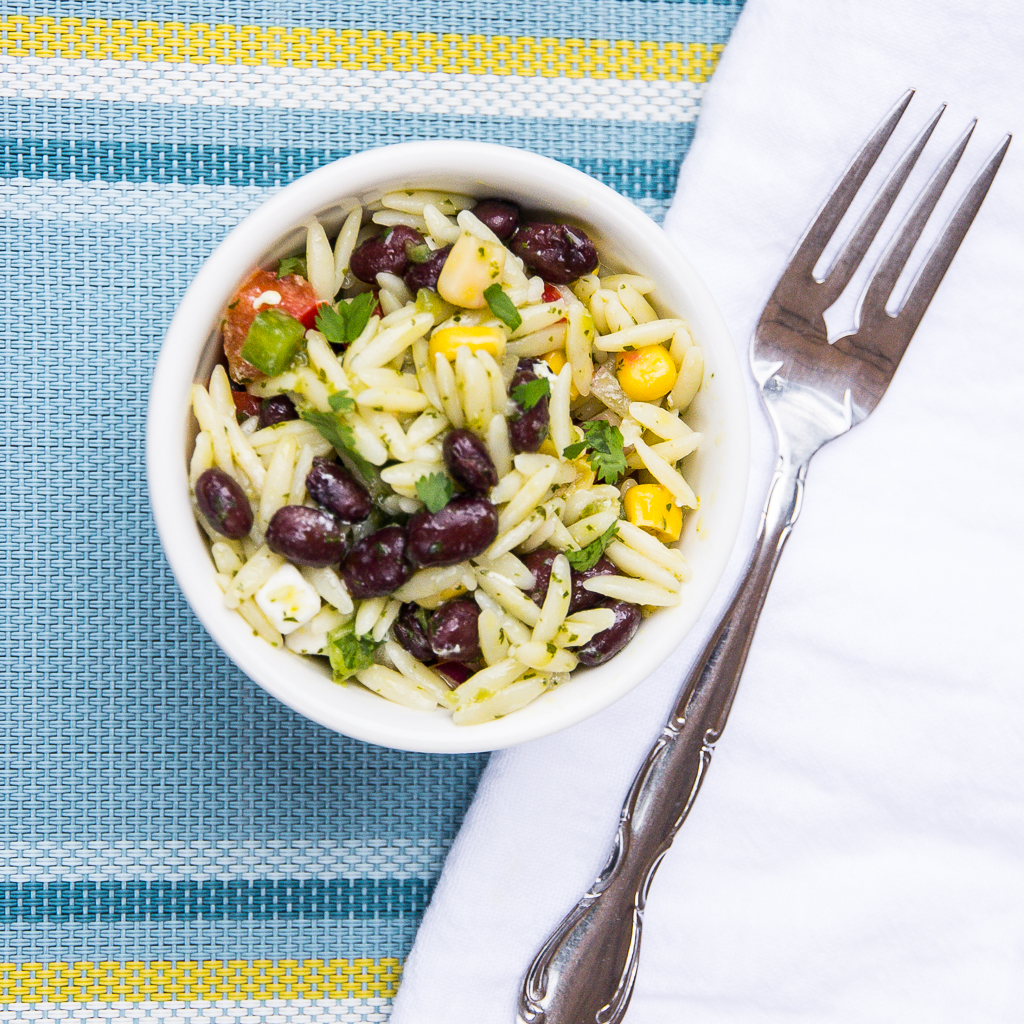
x,y
813,392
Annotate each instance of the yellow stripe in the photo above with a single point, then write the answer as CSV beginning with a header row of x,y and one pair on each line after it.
x,y
188,980
352,50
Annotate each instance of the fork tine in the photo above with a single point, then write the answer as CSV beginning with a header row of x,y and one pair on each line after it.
x,y
849,259
941,255
813,243
895,257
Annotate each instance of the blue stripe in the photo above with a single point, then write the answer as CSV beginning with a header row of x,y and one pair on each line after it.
x,y
235,900
349,131
263,166
708,21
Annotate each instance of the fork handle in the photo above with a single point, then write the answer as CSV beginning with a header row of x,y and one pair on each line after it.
x,y
584,973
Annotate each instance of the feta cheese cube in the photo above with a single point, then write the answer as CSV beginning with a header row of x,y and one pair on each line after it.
x,y
287,600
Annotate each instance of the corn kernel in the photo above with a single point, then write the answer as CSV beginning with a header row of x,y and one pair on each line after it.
x,y
436,600
651,507
646,374
556,360
472,266
448,341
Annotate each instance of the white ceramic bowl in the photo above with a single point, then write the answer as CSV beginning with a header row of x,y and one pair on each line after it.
x,y
626,239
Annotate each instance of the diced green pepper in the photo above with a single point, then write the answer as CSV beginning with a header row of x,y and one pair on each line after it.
x,y
348,652
428,301
272,341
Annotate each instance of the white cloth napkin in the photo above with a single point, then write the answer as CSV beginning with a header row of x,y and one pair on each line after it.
x,y
857,851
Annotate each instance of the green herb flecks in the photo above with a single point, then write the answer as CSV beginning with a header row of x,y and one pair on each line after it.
x,y
606,457
348,652
342,401
342,324
292,265
502,307
529,394
339,433
587,557
435,491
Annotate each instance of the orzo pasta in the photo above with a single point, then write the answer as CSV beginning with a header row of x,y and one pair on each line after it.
x,y
444,453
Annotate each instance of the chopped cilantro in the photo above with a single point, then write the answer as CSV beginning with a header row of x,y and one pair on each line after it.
x,y
348,652
529,394
418,253
435,491
502,307
342,401
342,324
339,433
292,265
586,558
605,443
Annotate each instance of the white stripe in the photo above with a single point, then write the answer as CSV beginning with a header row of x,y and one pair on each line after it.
x,y
199,859
337,90
250,1011
99,202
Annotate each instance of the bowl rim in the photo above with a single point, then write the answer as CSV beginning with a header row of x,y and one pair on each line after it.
x,y
186,340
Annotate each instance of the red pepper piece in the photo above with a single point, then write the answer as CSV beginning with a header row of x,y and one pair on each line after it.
x,y
246,405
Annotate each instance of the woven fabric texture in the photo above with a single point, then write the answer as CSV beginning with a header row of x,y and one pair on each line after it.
x,y
174,843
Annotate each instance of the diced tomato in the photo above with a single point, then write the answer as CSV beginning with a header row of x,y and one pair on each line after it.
x,y
297,299
245,404
308,319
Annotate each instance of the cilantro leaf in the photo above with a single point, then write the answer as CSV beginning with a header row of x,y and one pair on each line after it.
x,y
342,324
292,265
349,653
502,306
331,324
587,557
342,401
606,457
357,314
435,491
340,434
529,394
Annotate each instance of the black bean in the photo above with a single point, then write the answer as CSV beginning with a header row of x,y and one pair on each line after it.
x,y
558,252
527,428
223,502
454,673
278,409
387,254
583,598
376,565
539,563
464,528
306,536
606,644
469,461
500,215
453,631
425,274
336,489
411,633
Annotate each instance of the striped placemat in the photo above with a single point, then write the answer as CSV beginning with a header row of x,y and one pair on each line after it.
x,y
174,843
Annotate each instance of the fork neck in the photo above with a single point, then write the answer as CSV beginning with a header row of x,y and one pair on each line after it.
x,y
781,509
